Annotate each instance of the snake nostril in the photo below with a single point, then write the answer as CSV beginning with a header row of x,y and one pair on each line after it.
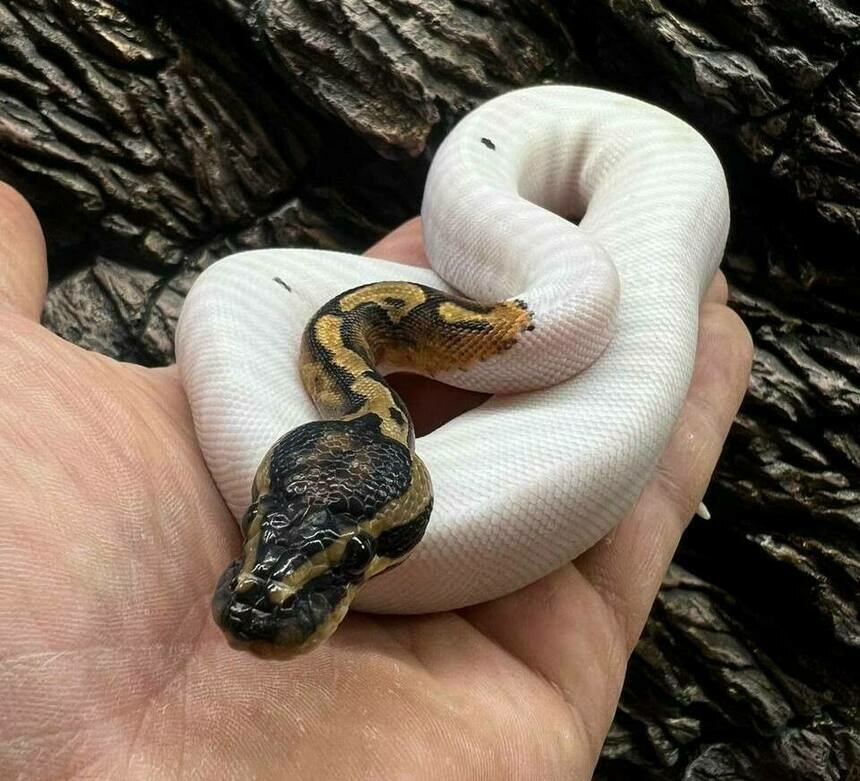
x,y
241,605
252,592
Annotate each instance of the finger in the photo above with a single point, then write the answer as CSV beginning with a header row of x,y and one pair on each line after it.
x,y
627,567
718,291
578,625
560,628
23,264
404,244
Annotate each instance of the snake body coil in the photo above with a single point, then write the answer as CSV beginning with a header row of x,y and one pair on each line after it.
x,y
588,378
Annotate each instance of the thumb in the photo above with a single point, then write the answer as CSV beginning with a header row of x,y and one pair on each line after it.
x,y
23,262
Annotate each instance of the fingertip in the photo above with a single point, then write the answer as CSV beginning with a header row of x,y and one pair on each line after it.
x,y
403,245
718,290
719,383
725,348
23,263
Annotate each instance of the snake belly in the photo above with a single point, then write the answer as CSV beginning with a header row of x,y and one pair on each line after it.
x,y
337,501
583,404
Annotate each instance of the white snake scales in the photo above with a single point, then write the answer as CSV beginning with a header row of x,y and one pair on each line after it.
x,y
527,481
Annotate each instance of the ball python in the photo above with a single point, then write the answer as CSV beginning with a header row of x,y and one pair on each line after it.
x,y
571,234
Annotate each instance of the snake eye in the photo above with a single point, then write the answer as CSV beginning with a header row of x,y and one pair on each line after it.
x,y
359,551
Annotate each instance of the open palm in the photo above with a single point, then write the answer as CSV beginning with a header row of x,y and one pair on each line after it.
x,y
113,536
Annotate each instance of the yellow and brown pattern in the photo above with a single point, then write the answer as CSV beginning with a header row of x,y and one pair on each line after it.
x,y
337,501
398,324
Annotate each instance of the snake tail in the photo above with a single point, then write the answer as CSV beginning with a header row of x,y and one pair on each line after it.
x,y
339,500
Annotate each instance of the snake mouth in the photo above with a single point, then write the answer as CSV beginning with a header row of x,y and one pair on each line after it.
x,y
253,621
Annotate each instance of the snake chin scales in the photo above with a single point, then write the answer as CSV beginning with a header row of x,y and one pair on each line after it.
x,y
584,331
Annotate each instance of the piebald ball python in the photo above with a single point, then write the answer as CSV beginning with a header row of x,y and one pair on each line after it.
x,y
571,234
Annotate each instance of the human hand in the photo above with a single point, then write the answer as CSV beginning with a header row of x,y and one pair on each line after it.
x,y
114,535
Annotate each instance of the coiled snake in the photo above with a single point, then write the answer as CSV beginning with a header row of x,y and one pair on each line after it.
x,y
589,354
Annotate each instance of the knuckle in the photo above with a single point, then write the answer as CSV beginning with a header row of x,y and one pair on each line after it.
x,y
681,494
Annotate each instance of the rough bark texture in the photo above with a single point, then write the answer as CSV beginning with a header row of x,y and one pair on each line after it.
x,y
154,141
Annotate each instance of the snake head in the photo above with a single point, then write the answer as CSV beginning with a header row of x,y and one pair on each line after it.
x,y
334,503
296,579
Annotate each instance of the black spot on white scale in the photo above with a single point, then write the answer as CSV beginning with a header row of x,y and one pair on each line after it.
x,y
488,143
282,284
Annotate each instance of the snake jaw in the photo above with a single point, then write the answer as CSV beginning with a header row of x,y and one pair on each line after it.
x,y
294,584
295,624
333,503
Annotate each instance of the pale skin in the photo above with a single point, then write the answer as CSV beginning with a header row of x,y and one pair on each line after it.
x,y
113,536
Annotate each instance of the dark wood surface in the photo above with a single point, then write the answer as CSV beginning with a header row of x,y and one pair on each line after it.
x,y
154,141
